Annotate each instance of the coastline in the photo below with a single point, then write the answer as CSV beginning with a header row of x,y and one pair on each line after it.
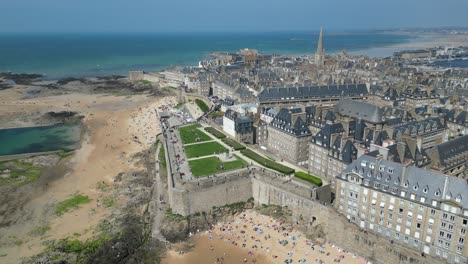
x,y
421,41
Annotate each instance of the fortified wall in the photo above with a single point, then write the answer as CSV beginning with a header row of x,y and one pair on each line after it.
x,y
310,211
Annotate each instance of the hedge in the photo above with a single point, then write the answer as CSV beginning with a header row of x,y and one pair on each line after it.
x,y
233,144
202,105
266,162
309,178
215,132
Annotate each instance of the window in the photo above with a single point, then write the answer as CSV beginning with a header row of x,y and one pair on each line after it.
x,y
444,254
462,231
425,189
465,222
461,240
406,239
432,212
447,245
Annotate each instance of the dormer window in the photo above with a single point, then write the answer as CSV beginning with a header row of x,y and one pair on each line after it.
x,y
388,179
406,184
390,170
448,196
397,181
437,193
382,168
425,189
415,187
458,199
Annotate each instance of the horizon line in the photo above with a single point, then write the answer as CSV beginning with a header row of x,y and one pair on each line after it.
x,y
330,30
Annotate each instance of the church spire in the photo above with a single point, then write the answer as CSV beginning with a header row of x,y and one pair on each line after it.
x,y
320,42
320,54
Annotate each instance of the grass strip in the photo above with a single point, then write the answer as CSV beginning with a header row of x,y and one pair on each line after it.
x,y
215,132
233,144
202,105
309,178
266,162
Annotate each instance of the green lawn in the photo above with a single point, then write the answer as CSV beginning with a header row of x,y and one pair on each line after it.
x,y
215,132
309,178
162,162
233,144
190,134
203,149
202,105
211,165
266,162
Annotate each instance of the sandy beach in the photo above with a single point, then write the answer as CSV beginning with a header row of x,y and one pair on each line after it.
x,y
421,41
116,128
255,238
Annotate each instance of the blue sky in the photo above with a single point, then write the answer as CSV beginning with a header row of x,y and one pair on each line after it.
x,y
226,15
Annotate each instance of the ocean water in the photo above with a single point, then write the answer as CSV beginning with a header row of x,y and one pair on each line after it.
x,y
452,64
39,139
62,55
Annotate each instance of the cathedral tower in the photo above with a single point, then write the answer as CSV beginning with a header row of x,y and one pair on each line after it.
x,y
320,54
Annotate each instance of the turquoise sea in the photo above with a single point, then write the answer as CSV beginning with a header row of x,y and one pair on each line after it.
x,y
39,139
62,55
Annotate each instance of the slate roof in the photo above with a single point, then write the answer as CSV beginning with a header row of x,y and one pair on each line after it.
x,y
451,149
417,127
311,92
393,178
283,122
242,123
360,110
324,136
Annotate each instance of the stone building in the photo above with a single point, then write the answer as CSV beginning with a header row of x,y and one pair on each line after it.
x,y
198,84
451,157
457,123
224,89
289,136
239,126
330,151
423,134
423,210
309,94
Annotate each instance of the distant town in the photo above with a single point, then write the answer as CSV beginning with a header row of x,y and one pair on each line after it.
x,y
376,149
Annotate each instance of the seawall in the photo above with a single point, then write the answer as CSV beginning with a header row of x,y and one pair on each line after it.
x,y
313,216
